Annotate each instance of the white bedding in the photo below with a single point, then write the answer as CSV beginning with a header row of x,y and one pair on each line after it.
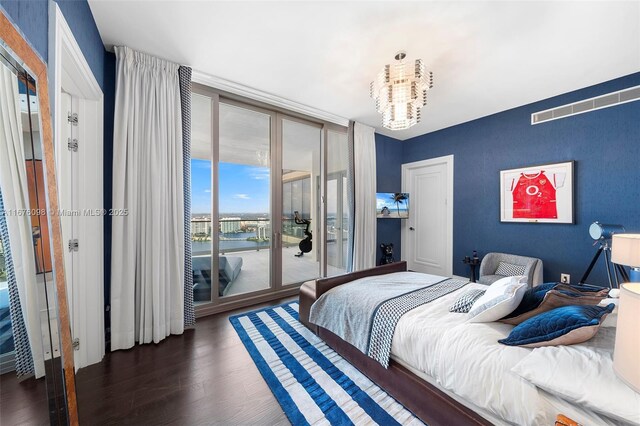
x,y
467,360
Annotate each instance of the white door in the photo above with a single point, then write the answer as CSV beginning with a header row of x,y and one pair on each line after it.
x,y
79,174
66,169
427,234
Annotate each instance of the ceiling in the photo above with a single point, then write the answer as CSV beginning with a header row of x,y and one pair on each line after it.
x,y
486,57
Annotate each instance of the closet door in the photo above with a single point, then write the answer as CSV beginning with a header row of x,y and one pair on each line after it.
x,y
88,288
67,169
80,182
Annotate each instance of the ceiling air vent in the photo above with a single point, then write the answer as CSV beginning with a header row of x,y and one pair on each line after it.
x,y
604,101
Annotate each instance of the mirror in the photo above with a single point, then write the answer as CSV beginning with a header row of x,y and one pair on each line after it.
x,y
35,338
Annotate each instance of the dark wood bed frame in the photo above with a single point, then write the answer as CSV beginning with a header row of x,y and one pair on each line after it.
x,y
425,400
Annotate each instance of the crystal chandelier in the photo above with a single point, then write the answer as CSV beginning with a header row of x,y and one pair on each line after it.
x,y
400,92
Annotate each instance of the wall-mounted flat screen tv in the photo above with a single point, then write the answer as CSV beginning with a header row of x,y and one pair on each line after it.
x,y
392,205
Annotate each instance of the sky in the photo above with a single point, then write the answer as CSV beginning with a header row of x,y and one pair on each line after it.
x,y
243,188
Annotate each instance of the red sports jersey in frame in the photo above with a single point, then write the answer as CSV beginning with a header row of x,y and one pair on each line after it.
x,y
537,194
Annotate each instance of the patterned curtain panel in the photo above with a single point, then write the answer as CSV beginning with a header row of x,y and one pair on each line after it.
x,y
23,356
185,101
350,198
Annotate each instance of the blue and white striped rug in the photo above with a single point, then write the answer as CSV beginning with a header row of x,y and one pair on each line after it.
x,y
312,383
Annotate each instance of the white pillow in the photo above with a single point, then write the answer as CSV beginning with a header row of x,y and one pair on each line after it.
x,y
501,298
583,375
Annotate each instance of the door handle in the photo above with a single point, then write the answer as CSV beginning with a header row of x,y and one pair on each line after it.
x,y
411,228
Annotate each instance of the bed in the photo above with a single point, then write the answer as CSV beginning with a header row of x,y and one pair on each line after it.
x,y
445,370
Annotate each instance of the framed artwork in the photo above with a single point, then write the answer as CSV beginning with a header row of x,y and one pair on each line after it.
x,y
537,194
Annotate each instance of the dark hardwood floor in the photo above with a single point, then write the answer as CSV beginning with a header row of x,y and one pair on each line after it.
x,y
203,377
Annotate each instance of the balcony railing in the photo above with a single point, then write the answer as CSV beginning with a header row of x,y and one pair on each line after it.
x,y
240,234
247,234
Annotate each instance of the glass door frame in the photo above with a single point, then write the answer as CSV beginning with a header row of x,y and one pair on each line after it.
x,y
321,199
338,176
215,199
275,290
328,127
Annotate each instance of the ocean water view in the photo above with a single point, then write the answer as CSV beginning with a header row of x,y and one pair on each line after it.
x,y
230,242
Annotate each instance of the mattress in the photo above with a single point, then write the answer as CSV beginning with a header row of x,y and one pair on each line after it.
x,y
466,361
432,381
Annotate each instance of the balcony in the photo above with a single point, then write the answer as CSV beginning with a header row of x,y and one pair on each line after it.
x,y
246,248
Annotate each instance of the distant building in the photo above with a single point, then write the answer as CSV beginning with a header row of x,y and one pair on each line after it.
x,y
200,226
230,224
263,230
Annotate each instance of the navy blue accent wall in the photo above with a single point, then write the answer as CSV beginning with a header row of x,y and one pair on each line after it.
x,y
388,179
109,107
605,145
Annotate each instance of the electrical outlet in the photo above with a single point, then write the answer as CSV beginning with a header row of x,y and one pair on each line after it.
x,y
565,278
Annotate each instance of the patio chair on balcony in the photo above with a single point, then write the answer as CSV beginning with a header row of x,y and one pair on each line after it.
x,y
229,268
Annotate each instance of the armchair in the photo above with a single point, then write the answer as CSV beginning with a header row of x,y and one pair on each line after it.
x,y
490,263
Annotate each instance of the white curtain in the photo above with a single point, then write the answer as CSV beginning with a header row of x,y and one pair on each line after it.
x,y
364,236
15,192
147,266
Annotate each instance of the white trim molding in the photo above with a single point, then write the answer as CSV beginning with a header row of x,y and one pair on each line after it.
x,y
62,44
448,161
267,98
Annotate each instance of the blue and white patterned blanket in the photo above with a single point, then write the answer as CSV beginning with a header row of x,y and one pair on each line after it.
x,y
365,312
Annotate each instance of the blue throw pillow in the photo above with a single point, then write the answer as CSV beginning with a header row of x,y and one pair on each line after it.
x,y
562,326
532,299
535,295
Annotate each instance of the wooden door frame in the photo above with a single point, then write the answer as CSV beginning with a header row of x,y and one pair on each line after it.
x,y
32,61
447,160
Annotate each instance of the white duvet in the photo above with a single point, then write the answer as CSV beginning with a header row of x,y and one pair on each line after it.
x,y
467,360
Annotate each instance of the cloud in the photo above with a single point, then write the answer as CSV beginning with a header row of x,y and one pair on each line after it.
x,y
207,190
260,176
242,196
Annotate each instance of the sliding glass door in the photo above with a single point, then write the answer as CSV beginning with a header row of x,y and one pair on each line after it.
x,y
244,200
268,201
301,202
201,198
337,224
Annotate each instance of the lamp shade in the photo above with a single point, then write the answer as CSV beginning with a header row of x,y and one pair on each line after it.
x,y
626,356
625,249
